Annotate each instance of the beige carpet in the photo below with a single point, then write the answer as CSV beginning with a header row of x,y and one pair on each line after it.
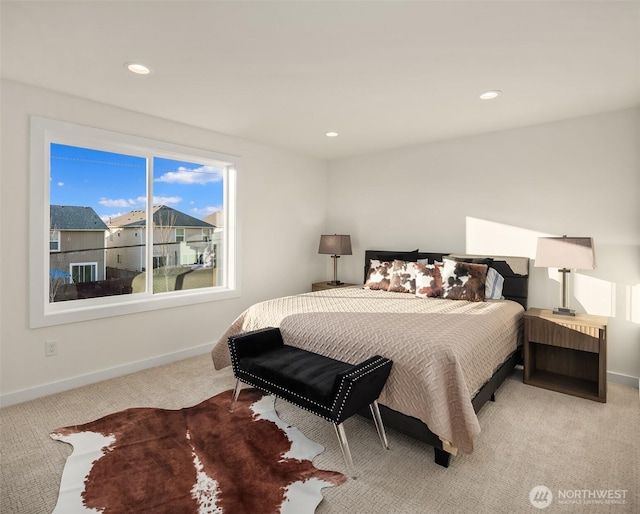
x,y
529,437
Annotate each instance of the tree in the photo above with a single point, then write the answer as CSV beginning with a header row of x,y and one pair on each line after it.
x,y
164,227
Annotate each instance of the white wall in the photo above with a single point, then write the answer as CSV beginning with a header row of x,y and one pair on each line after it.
x,y
496,193
484,193
282,205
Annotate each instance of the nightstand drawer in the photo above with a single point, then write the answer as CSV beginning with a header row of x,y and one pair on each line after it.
x,y
551,333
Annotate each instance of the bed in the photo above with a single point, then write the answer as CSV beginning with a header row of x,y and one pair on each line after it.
x,y
450,356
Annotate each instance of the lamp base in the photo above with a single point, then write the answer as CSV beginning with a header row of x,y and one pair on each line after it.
x,y
564,312
335,283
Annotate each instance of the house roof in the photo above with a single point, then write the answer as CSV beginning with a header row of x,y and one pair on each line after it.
x,y
74,217
162,216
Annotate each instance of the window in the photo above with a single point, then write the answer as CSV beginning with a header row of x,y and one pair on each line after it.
x,y
124,205
54,241
85,272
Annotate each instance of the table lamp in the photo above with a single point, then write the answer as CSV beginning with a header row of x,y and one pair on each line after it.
x,y
335,245
565,253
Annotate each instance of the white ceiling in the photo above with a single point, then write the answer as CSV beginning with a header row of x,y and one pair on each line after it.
x,y
382,74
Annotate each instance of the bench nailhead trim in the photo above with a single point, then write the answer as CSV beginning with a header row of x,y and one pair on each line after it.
x,y
361,372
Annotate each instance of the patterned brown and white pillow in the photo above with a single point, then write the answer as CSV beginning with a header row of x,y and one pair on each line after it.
x,y
379,275
463,281
428,280
403,277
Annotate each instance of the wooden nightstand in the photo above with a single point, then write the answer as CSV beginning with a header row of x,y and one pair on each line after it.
x,y
567,354
323,286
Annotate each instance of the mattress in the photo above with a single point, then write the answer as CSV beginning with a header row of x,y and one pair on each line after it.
x,y
443,351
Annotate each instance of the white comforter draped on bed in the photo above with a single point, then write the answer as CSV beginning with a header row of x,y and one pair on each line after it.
x,y
443,351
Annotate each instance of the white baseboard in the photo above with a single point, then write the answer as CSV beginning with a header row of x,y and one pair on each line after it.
x,y
98,376
627,380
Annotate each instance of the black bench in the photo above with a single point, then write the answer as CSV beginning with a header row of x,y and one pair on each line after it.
x,y
329,388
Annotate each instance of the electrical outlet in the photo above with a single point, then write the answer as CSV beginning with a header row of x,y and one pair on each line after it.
x,y
51,348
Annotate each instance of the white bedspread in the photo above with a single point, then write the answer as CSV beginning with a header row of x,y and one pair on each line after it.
x,y
443,351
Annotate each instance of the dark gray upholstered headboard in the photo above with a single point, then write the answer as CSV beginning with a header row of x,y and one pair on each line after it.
x,y
515,270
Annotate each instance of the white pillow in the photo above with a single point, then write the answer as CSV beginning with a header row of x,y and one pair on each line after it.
x,y
493,285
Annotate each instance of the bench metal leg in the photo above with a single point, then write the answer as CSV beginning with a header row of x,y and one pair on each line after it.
x,y
344,446
236,393
377,419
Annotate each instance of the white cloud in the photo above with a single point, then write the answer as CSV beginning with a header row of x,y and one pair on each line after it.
x,y
117,202
61,184
201,175
160,200
205,211
166,200
138,203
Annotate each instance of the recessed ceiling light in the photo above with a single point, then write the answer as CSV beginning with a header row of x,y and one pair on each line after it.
x,y
136,67
331,134
490,95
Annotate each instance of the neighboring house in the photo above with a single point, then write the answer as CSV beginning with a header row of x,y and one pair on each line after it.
x,y
76,244
216,219
178,240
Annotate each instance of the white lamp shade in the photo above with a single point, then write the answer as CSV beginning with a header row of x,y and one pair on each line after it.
x,y
565,252
335,245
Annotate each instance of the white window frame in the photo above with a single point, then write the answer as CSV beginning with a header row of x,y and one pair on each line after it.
x,y
94,266
56,240
44,313
182,235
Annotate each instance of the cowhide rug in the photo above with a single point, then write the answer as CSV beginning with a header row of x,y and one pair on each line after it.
x,y
201,459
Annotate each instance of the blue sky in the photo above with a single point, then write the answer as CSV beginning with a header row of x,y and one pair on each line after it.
x,y
114,184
